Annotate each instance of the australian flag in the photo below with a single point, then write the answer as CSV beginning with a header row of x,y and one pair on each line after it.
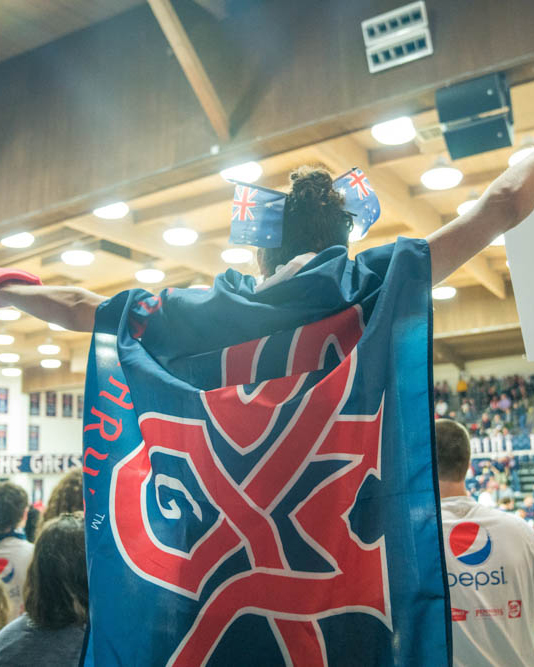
x,y
260,482
257,216
360,199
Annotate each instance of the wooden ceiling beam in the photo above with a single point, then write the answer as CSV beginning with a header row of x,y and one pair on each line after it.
x,y
192,66
343,152
445,354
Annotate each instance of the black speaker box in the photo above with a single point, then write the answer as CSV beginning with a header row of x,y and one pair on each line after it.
x,y
460,107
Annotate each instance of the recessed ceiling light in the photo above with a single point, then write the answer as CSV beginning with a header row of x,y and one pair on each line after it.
x,y
498,241
11,372
6,339
48,349
199,286
394,132
444,292
50,363
22,240
9,314
112,211
521,154
77,257
9,357
466,206
248,172
180,236
236,255
149,275
441,176
56,327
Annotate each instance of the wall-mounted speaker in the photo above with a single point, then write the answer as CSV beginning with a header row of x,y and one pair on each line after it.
x,y
476,115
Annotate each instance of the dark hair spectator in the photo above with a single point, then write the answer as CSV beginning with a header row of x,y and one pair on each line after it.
x,y
51,631
32,522
314,219
55,593
13,505
66,496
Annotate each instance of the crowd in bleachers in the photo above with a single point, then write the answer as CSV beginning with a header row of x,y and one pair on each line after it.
x,y
494,408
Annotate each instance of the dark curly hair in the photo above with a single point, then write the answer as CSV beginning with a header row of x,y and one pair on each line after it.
x,y
314,218
66,496
56,593
13,504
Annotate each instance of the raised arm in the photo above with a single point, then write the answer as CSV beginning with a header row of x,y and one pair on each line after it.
x,y
71,307
506,203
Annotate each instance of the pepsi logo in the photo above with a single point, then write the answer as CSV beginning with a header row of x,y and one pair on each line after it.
x,y
470,543
7,571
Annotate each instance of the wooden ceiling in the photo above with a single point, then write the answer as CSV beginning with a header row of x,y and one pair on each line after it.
x,y
481,322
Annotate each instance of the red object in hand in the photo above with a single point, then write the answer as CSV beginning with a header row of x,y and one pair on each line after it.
x,y
8,275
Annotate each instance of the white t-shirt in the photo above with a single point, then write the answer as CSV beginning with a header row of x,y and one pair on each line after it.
x,y
15,556
490,564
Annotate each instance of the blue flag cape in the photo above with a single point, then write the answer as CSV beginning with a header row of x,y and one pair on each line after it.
x,y
260,480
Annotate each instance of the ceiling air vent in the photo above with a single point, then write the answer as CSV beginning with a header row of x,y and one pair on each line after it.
x,y
397,37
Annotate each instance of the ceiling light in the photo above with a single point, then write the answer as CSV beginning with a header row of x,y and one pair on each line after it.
x,y
48,349
236,255
247,172
467,205
149,275
112,211
11,372
180,236
199,286
56,327
441,293
8,314
77,257
499,241
50,363
22,240
441,176
9,357
526,148
6,339
394,132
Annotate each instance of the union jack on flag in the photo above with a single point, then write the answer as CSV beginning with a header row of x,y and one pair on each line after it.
x,y
244,204
258,471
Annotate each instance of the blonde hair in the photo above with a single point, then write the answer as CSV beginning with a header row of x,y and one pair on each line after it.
x,y
5,606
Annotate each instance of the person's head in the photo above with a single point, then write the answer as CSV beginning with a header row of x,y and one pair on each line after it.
x,y
528,501
5,606
314,219
33,520
55,592
453,452
66,496
507,503
13,506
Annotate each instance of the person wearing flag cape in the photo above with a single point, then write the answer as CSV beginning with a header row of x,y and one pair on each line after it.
x,y
259,484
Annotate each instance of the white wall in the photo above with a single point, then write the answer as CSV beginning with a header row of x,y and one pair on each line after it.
x,y
483,368
57,435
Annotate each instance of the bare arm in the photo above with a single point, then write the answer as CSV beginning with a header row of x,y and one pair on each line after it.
x,y
506,202
71,307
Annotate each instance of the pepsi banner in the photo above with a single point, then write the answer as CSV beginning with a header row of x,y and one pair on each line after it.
x,y
259,477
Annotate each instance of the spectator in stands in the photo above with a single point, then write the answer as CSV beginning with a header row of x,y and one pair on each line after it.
x,y
528,506
504,403
5,607
442,407
66,496
492,624
507,504
56,597
15,551
462,387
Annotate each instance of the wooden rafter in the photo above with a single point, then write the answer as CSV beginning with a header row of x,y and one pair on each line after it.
x,y
191,64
